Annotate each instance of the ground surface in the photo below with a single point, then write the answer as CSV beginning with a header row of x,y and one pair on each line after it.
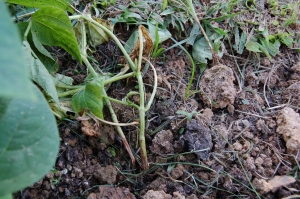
x,y
245,134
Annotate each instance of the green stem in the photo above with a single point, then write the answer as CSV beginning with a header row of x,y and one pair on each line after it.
x,y
90,68
120,102
70,92
143,154
118,128
27,30
111,34
67,86
116,78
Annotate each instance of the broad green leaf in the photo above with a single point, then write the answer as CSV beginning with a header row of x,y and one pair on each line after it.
x,y
164,34
201,51
39,73
14,78
97,35
62,4
53,27
44,56
40,51
29,142
93,97
78,102
253,46
8,196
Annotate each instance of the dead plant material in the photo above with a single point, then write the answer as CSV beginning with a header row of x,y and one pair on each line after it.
x,y
148,45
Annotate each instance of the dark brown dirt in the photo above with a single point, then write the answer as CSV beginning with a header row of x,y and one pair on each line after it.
x,y
243,142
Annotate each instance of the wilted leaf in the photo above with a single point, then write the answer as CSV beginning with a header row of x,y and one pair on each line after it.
x,y
97,35
43,55
147,45
39,73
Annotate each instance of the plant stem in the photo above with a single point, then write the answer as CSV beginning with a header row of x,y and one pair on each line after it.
x,y
118,128
116,78
89,66
214,54
143,154
111,34
27,31
120,102
70,92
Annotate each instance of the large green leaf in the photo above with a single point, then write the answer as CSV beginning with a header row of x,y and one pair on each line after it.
x,y
29,142
62,4
93,96
40,51
39,73
53,27
14,78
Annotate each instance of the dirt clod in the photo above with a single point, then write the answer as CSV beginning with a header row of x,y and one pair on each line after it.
x,y
106,174
274,184
217,86
162,143
112,193
288,122
197,137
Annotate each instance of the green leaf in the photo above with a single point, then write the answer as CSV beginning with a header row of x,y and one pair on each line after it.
x,y
253,46
131,41
29,142
62,4
43,55
93,97
78,102
53,27
242,43
164,34
201,51
14,78
8,196
39,73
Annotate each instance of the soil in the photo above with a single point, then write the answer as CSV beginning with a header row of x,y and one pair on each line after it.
x,y
242,142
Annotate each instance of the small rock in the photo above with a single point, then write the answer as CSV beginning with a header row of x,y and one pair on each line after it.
x,y
156,194
177,172
273,184
288,122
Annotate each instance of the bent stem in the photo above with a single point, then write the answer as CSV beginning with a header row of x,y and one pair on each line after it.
x,y
104,94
